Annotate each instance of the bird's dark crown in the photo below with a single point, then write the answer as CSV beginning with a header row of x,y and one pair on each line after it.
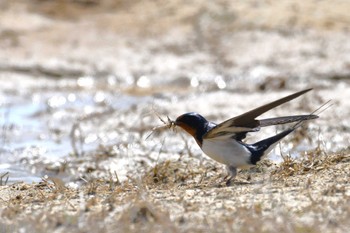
x,y
194,124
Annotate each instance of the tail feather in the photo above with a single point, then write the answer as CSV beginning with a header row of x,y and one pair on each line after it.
x,y
263,147
285,120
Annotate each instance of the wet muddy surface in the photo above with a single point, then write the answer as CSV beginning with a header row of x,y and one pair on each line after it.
x,y
84,82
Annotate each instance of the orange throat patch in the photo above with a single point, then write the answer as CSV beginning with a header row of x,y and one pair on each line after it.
x,y
190,130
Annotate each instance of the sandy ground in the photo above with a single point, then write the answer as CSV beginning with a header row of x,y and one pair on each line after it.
x,y
307,196
132,58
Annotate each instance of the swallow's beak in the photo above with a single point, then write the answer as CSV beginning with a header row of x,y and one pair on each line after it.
x,y
177,122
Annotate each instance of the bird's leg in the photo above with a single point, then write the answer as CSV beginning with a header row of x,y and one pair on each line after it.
x,y
225,178
232,174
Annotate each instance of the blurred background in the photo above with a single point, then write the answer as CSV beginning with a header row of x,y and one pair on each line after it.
x,y
84,81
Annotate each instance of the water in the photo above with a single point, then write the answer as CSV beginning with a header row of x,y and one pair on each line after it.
x,y
36,127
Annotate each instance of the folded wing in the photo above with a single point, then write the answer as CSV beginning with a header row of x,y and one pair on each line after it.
x,y
239,126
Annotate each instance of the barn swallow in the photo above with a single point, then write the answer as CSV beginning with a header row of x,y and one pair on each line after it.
x,y
223,142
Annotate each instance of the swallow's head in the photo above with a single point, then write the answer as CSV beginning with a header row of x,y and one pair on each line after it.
x,y
193,123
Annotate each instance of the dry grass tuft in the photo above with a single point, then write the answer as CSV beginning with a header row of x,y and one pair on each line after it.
x,y
309,194
169,174
311,161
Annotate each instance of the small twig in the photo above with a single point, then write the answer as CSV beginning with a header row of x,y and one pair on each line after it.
x,y
187,146
70,204
76,135
83,179
204,174
6,174
6,126
116,175
168,124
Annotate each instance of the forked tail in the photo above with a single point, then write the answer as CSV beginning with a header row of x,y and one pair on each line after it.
x,y
263,147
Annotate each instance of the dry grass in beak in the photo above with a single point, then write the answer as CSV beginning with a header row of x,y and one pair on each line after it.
x,y
168,124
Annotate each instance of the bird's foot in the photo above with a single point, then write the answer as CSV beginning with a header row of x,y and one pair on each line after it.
x,y
229,182
224,182
224,179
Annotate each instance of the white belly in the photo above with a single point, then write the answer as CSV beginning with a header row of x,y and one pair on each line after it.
x,y
228,152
